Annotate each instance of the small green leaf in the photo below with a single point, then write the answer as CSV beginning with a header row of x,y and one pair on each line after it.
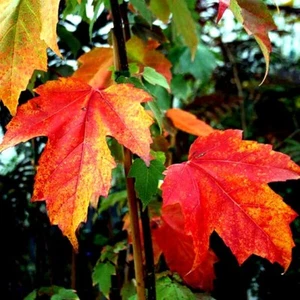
x,y
31,296
133,68
154,77
110,253
167,289
159,155
146,178
102,276
67,294
141,6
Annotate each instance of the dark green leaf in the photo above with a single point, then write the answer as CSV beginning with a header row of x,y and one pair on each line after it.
x,y
146,178
67,37
102,276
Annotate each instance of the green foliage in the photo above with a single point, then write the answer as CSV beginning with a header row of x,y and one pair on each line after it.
x,y
54,292
201,66
168,289
102,276
147,177
216,79
154,77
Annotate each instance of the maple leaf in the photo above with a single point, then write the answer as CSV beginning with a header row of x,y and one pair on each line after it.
x,y
146,178
188,122
178,249
27,28
75,167
223,188
256,19
95,66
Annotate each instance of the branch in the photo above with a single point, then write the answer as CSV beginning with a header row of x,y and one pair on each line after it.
x,y
121,66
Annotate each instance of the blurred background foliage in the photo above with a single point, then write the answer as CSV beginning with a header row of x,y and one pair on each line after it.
x,y
221,87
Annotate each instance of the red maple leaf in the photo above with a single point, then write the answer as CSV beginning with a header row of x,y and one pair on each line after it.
x,y
178,249
223,188
75,167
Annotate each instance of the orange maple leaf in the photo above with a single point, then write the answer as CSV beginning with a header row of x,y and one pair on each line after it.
x,y
95,65
27,28
188,122
223,188
75,167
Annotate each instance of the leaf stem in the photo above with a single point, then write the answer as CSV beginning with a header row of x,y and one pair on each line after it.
x,y
121,66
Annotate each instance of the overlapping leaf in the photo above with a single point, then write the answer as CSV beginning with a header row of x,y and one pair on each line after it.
x,y
188,122
256,19
178,249
95,67
146,55
75,167
223,188
27,28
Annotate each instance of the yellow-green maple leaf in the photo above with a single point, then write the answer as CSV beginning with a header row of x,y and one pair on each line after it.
x,y
27,28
